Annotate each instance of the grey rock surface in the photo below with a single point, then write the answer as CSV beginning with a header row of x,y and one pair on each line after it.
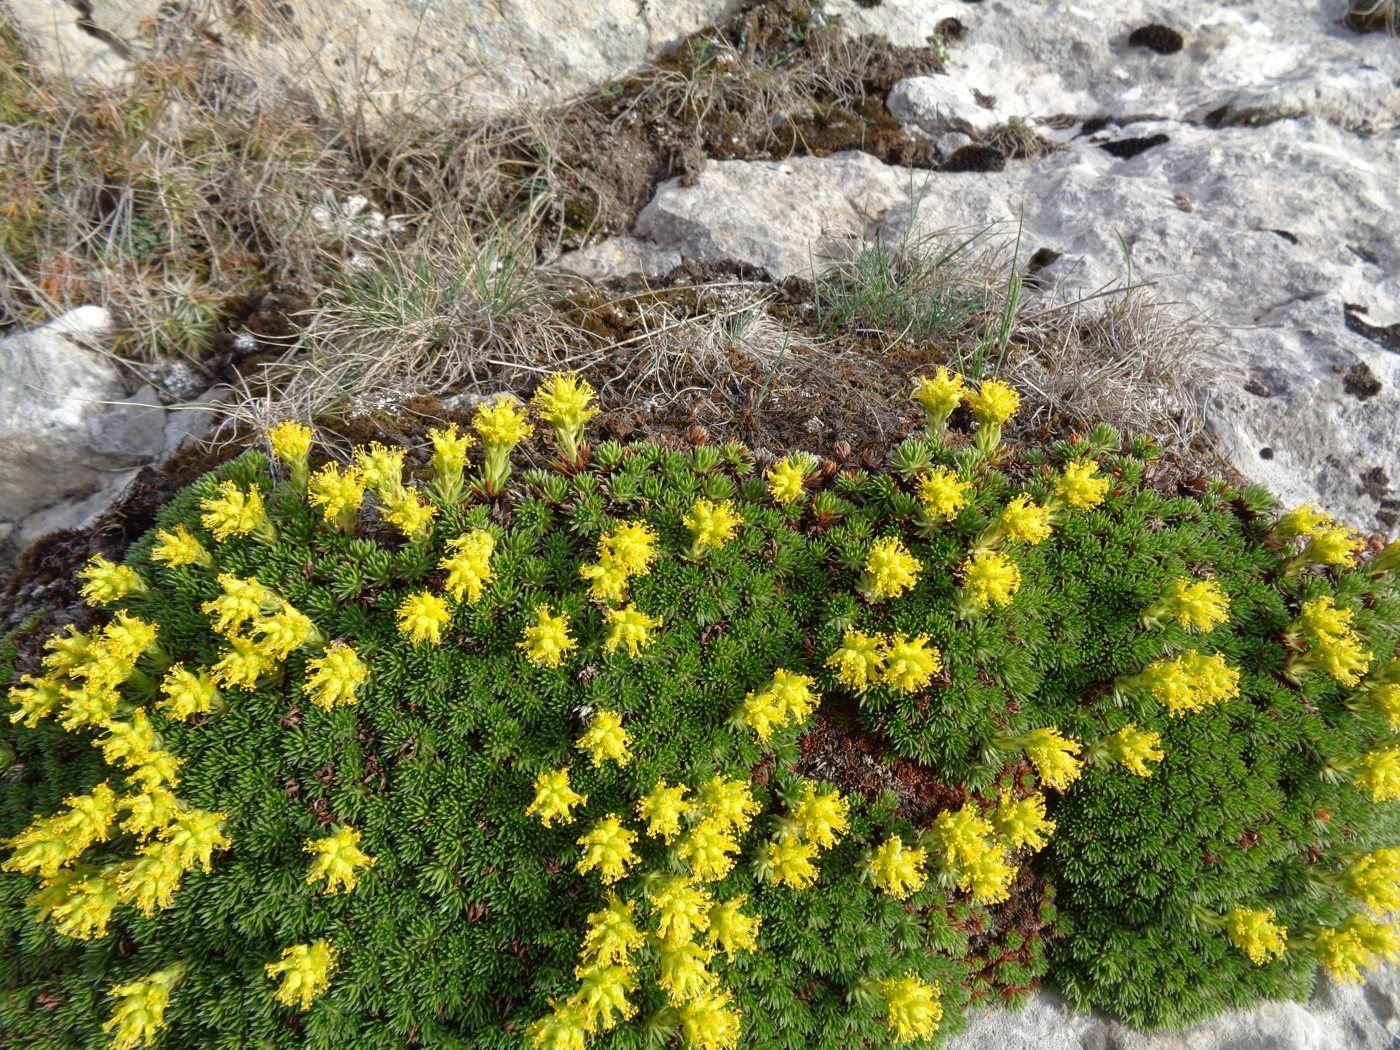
x,y
73,427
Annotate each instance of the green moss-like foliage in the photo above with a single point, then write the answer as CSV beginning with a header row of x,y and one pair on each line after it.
x,y
469,923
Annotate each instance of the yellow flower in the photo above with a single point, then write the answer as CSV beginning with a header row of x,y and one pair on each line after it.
x,y
629,627
501,423
149,881
994,403
1256,934
1337,545
681,908
78,902
337,494
34,699
706,848
710,1022
337,859
602,995
1023,823
895,869
1053,756
821,817
554,798
407,512
1321,617
607,846
973,856
631,545
940,396
910,663
176,547
605,740
730,930
305,970
1133,749
711,524
729,802
859,661
185,693
663,809
547,641
612,933
1357,944
683,975
233,512
1335,646
242,664
242,601
88,707
156,769
1383,698
942,495
890,570
1191,682
1379,773
1196,605
378,467
787,698
194,835
787,479
1301,521
566,403
787,861
64,652
912,1007
333,677
562,1029
989,876
105,582
989,578
422,616
468,565
449,452
51,842
607,580
128,742
284,632
1374,880
291,441
139,1014
149,811
1080,485
1024,521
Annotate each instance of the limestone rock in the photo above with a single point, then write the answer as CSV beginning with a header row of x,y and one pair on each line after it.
x,y
69,425
939,104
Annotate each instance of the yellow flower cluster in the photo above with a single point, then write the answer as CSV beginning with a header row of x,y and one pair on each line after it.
x,y
1053,755
1191,682
912,1007
337,860
989,578
421,616
106,583
815,821
1133,748
940,397
290,442
711,525
1020,521
605,740
554,798
894,868
1374,880
890,570
607,847
501,425
1022,822
1195,605
262,628
335,676
1333,644
305,970
1254,932
787,478
629,628
972,854
232,512
1328,543
449,462
338,494
786,700
1379,773
1356,945
942,495
1380,695
468,565
1080,486
994,403
178,547
625,552
566,403
663,809
139,1014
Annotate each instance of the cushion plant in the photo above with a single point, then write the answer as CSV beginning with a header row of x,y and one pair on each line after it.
x,y
644,746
